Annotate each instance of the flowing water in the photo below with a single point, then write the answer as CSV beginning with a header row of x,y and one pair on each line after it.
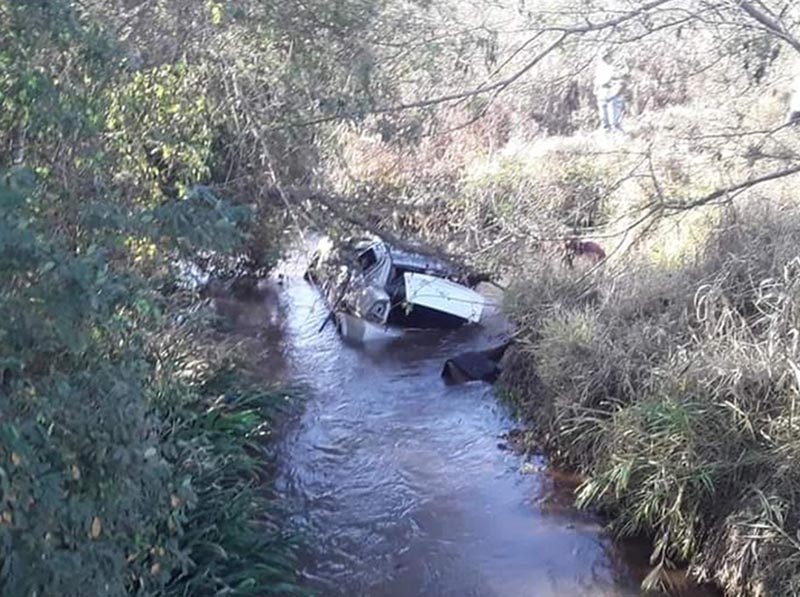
x,y
404,486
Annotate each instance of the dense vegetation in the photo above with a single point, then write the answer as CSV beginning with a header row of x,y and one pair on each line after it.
x,y
137,133
132,446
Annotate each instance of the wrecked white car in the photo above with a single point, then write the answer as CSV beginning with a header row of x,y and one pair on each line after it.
x,y
370,286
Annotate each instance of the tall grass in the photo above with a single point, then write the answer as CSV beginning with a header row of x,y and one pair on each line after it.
x,y
218,427
232,538
675,394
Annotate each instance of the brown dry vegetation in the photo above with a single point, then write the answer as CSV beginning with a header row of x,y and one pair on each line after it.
x,y
668,376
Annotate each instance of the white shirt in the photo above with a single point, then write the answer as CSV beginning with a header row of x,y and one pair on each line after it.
x,y
607,80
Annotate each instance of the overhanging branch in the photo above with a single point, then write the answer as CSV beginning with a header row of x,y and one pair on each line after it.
x,y
498,86
774,26
742,186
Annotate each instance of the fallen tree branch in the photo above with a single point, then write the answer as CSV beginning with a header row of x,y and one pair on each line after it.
x,y
498,86
344,210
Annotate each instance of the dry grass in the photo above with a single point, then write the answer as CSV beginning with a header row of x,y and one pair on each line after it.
x,y
675,394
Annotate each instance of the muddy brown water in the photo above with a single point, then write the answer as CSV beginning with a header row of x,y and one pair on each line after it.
x,y
401,484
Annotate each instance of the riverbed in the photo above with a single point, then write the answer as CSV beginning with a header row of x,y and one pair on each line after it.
x,y
402,485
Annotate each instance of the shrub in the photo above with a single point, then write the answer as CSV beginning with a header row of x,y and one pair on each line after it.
x,y
115,460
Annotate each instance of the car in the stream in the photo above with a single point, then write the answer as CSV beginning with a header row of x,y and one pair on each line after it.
x,y
371,286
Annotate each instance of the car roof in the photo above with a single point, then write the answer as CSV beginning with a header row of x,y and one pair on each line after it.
x,y
404,258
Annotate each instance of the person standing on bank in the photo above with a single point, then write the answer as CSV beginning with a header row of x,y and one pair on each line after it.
x,y
609,87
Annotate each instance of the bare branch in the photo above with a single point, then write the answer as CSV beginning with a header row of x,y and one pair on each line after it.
x,y
772,25
747,184
498,86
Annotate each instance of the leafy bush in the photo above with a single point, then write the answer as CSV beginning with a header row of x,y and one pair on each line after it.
x,y
76,428
116,480
161,129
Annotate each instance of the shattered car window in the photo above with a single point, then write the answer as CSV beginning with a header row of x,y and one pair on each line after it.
x,y
367,259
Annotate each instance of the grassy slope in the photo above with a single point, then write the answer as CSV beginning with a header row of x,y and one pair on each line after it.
x,y
668,376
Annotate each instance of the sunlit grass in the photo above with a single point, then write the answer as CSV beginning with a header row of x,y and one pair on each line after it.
x,y
675,394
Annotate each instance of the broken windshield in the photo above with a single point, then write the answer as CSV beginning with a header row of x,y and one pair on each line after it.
x,y
367,259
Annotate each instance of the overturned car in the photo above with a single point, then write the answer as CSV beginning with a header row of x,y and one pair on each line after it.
x,y
370,286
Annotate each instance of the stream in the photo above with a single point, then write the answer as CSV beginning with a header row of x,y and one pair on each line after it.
x,y
404,486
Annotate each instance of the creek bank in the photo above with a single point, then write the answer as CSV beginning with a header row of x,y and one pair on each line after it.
x,y
673,396
280,324
563,287
652,377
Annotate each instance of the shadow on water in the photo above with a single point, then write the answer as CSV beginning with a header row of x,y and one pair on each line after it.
x,y
397,481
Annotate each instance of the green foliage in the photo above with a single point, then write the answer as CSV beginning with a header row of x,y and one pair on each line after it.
x,y
101,493
79,494
232,540
53,65
121,472
160,126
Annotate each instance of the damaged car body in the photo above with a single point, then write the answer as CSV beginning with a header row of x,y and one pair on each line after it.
x,y
370,286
